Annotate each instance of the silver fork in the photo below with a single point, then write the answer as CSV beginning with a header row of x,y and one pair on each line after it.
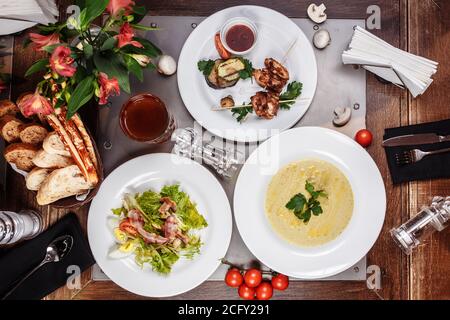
x,y
415,155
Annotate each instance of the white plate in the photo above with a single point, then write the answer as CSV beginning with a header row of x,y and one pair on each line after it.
x,y
352,244
153,171
276,33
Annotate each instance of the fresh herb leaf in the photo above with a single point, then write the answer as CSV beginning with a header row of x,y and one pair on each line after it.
x,y
241,113
206,66
303,208
117,211
248,71
293,91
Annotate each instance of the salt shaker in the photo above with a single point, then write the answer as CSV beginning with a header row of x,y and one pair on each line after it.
x,y
429,220
224,161
15,227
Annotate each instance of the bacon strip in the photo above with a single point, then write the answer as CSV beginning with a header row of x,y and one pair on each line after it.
x,y
137,221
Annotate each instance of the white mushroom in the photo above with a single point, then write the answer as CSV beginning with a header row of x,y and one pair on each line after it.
x,y
317,13
342,116
321,39
167,65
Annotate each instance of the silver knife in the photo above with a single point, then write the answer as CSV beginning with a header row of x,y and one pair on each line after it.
x,y
414,139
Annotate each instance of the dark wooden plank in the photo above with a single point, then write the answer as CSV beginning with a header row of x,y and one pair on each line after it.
x,y
429,36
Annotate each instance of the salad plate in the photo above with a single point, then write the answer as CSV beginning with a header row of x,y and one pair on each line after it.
x,y
169,178
278,38
301,249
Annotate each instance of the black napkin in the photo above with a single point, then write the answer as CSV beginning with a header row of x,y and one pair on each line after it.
x,y
431,167
18,260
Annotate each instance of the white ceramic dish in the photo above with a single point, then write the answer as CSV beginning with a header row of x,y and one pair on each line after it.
x,y
335,256
276,34
153,171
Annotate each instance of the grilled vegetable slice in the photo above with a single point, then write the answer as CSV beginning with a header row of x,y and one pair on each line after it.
x,y
230,67
216,82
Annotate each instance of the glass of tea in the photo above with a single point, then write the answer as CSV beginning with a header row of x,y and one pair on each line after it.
x,y
145,118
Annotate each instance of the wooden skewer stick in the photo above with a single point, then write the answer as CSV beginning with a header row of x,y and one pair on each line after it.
x,y
249,105
289,51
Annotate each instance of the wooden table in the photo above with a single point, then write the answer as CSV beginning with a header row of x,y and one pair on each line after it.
x,y
418,26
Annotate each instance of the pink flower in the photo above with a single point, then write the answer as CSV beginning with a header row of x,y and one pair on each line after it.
x,y
107,87
115,6
34,104
61,62
41,41
125,37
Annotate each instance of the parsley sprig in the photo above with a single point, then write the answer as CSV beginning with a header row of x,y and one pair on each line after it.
x,y
303,208
248,71
206,66
293,91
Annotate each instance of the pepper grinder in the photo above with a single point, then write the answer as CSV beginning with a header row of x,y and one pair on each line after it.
x,y
224,161
429,220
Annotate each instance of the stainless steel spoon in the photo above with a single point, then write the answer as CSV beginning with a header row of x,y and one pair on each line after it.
x,y
55,252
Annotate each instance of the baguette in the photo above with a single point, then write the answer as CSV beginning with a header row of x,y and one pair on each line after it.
x,y
32,133
8,107
42,159
10,128
21,154
62,183
61,131
87,140
35,178
53,144
78,141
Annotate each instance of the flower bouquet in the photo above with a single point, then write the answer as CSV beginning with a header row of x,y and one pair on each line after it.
x,y
87,61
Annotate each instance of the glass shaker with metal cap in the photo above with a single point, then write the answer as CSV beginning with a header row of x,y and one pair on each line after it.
x,y
15,227
429,220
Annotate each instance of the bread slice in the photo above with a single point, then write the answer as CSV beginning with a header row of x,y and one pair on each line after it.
x,y
52,144
21,154
62,183
33,133
8,107
43,159
35,178
10,128
87,139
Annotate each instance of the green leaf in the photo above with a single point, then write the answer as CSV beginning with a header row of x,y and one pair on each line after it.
x,y
93,9
80,96
293,91
51,48
297,203
36,67
248,71
109,44
139,13
309,187
111,64
117,211
317,210
205,66
88,50
149,48
144,28
241,113
134,67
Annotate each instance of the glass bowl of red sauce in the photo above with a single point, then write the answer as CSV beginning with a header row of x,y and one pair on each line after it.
x,y
239,35
145,118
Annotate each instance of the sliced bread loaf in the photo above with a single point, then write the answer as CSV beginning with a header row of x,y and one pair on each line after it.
x,y
62,183
21,154
32,133
35,178
8,107
10,128
43,159
54,145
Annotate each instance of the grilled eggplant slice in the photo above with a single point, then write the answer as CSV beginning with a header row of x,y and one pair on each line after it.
x,y
216,82
230,67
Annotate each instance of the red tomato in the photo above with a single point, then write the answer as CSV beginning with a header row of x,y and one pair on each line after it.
x,y
246,293
126,226
223,53
253,278
280,282
234,278
264,291
364,137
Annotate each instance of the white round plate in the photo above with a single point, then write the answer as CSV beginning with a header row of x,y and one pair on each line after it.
x,y
335,256
153,171
276,34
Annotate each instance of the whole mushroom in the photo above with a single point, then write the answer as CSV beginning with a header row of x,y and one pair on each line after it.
x,y
167,65
317,13
342,116
322,39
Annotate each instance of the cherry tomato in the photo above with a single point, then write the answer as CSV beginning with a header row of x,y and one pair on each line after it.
x,y
234,278
264,291
246,293
223,53
126,226
280,282
364,137
253,278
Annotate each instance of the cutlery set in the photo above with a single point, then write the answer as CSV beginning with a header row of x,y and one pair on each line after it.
x,y
415,155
